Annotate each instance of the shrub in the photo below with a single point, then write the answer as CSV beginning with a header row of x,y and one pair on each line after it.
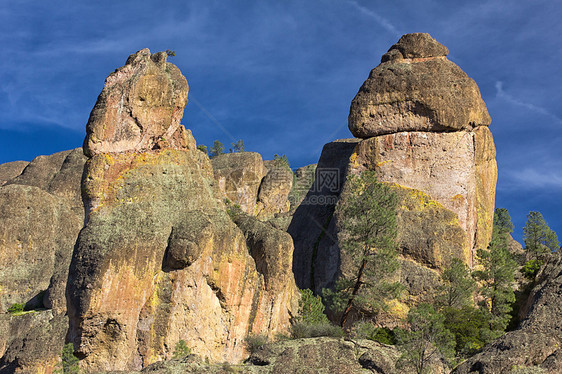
x,y
254,342
233,210
69,362
531,268
181,350
203,148
16,308
281,161
366,330
311,309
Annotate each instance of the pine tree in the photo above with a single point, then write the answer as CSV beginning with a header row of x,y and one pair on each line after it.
x,y
368,238
237,147
497,274
217,149
425,341
69,362
538,237
457,287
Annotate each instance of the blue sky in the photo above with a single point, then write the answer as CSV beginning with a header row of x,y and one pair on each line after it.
x,y
281,75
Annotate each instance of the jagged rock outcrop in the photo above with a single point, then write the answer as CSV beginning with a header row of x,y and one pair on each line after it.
x,y
274,191
40,217
260,188
536,343
423,128
159,259
140,108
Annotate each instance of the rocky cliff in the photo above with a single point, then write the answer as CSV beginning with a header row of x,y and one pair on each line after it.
x,y
159,260
422,126
41,214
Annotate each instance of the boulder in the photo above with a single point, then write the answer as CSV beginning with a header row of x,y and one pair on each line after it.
x,y
159,260
274,191
239,176
11,170
59,174
397,97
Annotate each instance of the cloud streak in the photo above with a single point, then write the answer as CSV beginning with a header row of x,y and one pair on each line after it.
x,y
500,93
383,22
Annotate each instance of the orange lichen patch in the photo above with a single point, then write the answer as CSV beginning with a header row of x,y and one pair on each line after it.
x,y
458,198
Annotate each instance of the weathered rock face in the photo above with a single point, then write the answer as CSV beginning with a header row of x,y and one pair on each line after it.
x,y
457,170
260,188
274,191
140,108
316,258
11,170
536,343
159,260
415,88
40,217
239,176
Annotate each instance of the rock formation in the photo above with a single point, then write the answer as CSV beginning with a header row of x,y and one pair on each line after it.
x,y
40,217
159,259
260,188
415,88
422,126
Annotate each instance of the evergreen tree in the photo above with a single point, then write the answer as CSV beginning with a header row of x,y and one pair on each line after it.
x,y
237,147
538,237
368,239
69,362
457,287
217,149
427,338
497,274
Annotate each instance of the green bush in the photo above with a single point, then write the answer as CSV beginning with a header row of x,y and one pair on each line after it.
x,y
470,327
16,308
69,362
311,308
366,330
281,161
181,350
254,342
203,148
531,268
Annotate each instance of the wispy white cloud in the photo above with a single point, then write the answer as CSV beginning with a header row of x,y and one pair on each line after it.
x,y
500,93
385,23
535,178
